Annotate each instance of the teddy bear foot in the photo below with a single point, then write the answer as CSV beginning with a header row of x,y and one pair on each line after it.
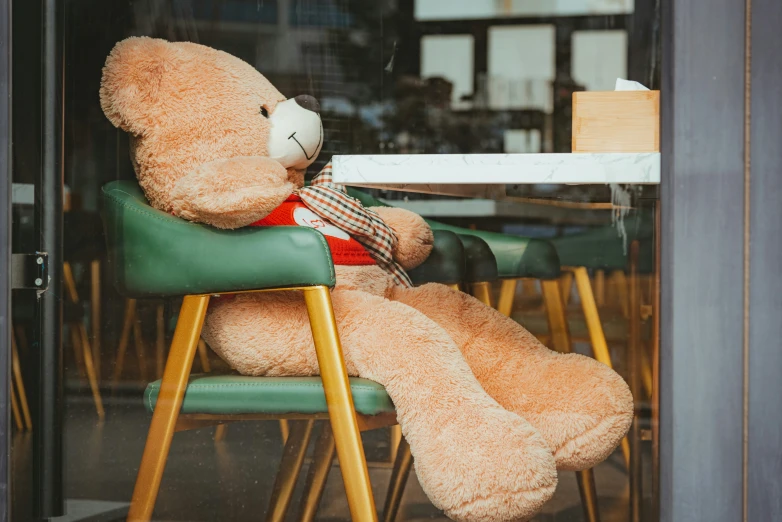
x,y
488,465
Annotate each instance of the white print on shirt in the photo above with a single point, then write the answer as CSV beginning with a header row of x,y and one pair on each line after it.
x,y
306,218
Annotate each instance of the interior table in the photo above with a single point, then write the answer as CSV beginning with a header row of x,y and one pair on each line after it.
x,y
487,175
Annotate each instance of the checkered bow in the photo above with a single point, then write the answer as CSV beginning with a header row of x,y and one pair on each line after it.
x,y
330,201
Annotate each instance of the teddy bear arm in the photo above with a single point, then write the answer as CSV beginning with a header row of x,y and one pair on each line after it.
x,y
414,236
231,193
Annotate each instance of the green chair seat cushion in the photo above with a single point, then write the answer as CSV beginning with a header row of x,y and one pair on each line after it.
x,y
515,256
238,394
154,254
480,263
446,263
604,248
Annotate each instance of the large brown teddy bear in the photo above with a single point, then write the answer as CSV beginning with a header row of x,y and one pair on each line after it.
x,y
489,412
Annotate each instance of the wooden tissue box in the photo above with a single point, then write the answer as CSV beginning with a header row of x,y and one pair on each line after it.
x,y
616,121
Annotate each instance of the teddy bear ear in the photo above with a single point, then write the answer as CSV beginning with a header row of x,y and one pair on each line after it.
x,y
131,82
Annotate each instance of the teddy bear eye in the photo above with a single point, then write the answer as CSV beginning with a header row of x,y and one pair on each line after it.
x,y
264,112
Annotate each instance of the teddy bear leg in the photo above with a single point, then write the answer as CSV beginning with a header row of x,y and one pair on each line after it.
x,y
474,459
582,407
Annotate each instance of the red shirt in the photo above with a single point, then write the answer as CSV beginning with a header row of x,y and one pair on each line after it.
x,y
344,249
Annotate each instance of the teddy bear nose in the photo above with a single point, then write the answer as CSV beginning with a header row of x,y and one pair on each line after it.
x,y
308,102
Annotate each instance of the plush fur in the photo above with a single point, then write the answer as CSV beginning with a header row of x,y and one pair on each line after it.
x,y
488,411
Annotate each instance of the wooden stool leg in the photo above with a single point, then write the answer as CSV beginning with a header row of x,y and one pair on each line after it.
x,y
482,292
560,337
172,391
596,333
507,295
90,367
127,324
95,314
588,492
340,403
318,474
396,487
17,369
290,466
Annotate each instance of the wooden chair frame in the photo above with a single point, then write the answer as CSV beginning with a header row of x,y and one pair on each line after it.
x,y
345,424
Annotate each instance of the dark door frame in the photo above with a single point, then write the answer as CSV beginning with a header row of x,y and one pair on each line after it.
x,y
721,292
5,258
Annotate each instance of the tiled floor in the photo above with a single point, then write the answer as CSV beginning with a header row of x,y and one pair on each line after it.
x,y
232,480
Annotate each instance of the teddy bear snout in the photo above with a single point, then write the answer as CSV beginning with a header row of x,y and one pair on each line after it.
x,y
308,102
296,132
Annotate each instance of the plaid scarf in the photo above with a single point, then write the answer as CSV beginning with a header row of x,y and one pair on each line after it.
x,y
331,202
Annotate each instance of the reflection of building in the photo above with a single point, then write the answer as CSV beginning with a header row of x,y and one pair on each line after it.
x,y
524,58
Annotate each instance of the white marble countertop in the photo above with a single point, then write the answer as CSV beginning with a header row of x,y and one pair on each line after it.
x,y
485,175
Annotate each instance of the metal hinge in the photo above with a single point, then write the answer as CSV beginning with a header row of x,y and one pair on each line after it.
x,y
30,271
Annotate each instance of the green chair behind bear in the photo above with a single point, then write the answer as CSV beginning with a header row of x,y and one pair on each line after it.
x,y
144,262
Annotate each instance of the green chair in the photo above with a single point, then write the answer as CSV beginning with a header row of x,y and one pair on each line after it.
x,y
153,254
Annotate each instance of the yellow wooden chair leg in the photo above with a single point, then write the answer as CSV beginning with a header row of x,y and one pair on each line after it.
x,y
600,287
560,337
595,327
591,315
124,338
588,492
141,351
622,292
395,440
646,373
318,474
172,392
555,313
95,310
290,466
507,296
203,355
340,404
220,432
160,340
77,350
396,486
455,286
15,411
17,369
90,368
482,292
566,287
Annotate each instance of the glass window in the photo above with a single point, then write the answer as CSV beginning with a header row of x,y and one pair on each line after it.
x,y
391,77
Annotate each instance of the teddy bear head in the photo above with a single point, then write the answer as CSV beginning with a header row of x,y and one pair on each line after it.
x,y
186,104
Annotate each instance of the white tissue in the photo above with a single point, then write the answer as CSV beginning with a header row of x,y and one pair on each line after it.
x,y
627,85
